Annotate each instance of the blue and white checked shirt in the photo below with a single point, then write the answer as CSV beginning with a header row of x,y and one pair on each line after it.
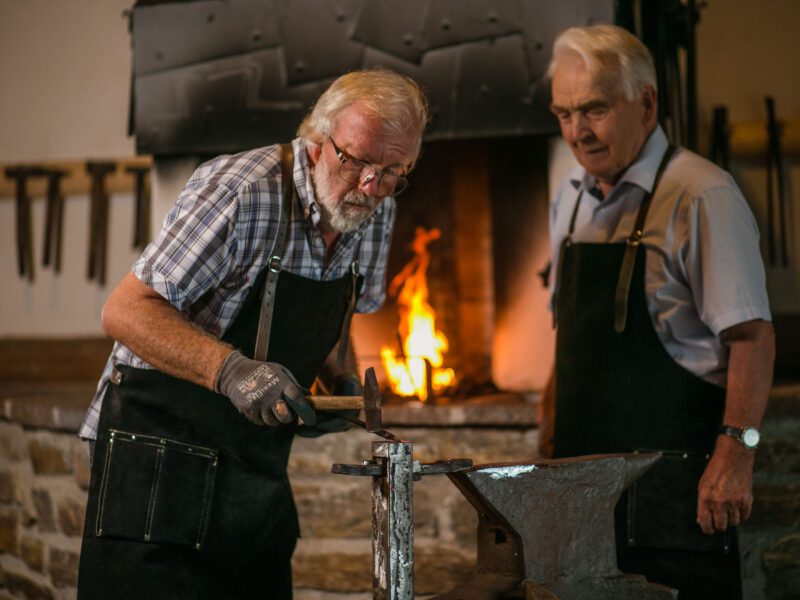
x,y
220,233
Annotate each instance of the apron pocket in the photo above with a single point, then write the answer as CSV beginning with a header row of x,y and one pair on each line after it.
x,y
155,489
662,506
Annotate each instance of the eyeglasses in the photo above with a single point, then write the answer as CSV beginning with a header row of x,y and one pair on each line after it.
x,y
351,170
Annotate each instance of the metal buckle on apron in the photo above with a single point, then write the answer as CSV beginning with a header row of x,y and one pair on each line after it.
x,y
115,377
275,264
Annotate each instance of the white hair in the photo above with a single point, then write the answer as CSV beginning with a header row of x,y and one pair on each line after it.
x,y
394,100
612,55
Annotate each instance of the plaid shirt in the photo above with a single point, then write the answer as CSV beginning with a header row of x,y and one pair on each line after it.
x,y
220,233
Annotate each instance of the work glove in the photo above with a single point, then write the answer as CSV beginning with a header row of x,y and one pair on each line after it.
x,y
258,389
345,384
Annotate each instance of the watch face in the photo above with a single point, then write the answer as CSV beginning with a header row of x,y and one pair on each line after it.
x,y
750,437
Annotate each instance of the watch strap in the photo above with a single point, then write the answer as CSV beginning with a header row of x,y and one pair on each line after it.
x,y
738,433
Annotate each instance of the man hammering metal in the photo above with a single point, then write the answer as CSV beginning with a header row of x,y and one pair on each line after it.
x,y
224,320
664,340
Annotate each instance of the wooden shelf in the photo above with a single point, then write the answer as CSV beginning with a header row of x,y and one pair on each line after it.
x,y
77,180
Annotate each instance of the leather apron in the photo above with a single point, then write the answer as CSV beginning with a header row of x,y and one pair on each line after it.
x,y
188,499
618,390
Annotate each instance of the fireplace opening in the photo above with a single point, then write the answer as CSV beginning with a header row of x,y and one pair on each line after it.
x,y
482,208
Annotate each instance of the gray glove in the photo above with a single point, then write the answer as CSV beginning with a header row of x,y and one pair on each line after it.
x,y
258,389
345,384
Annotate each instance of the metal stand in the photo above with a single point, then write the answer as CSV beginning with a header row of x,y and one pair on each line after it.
x,y
394,471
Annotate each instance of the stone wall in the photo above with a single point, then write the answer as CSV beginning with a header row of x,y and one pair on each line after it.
x,y
44,477
43,481
770,540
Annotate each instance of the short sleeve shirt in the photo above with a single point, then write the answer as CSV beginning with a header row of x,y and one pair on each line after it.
x,y
704,271
219,236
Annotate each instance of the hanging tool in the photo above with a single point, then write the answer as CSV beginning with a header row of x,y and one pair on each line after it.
x,y
142,194
775,169
720,141
20,175
98,219
54,217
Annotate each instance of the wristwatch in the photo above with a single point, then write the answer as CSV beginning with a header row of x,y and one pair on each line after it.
x,y
747,436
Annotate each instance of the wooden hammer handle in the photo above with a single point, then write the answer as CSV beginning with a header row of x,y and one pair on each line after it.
x,y
330,403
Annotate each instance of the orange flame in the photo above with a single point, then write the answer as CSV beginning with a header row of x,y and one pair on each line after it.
x,y
417,328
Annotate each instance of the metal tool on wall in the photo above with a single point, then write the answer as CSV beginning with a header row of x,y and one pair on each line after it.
x,y
98,219
667,27
21,176
775,179
720,138
142,200
54,219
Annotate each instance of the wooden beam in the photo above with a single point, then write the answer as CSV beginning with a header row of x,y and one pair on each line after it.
x,y
77,180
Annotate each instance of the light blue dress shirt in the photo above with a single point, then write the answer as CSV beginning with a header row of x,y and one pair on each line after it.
x,y
704,271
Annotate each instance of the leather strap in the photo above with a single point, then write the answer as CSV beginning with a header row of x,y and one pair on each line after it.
x,y
565,243
632,247
274,262
344,336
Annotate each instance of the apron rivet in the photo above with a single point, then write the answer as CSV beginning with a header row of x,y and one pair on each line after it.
x,y
197,546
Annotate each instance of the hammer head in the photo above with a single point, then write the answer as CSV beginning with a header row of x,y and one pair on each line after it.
x,y
372,401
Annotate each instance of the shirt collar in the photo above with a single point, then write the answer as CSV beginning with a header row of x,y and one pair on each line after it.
x,y
305,191
641,173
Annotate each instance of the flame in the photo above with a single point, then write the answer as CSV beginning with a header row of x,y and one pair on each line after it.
x,y
417,332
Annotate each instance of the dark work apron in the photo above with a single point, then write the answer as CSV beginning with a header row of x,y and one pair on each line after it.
x,y
188,499
618,390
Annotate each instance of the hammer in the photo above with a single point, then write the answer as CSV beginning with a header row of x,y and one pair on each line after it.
x,y
370,402
21,175
98,219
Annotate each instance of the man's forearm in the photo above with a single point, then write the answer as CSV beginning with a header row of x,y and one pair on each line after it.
x,y
750,364
725,489
149,326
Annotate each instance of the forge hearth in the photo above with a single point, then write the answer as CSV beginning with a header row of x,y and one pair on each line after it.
x,y
488,198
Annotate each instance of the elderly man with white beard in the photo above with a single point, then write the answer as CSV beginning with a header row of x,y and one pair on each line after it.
x,y
222,322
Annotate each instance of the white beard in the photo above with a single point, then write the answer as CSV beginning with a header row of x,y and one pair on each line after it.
x,y
339,214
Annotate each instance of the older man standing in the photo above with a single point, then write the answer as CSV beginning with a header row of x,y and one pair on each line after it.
x,y
228,313
663,334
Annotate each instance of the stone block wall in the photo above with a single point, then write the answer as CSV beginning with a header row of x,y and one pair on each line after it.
x,y
44,476
770,539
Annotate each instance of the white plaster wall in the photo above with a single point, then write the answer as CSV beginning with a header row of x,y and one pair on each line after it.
x,y
65,70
